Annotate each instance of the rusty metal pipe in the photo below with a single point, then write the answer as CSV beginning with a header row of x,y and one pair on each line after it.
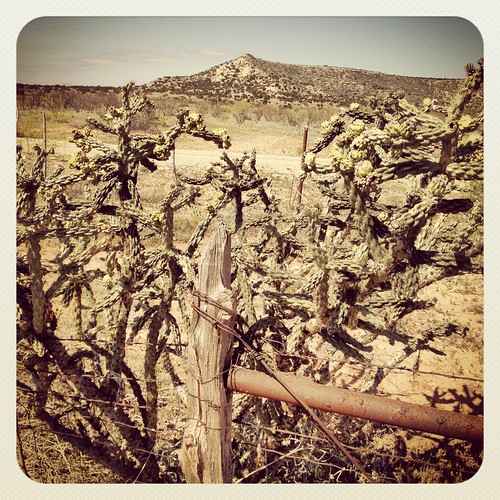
x,y
358,404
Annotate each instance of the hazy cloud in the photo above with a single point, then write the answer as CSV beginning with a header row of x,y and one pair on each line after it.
x,y
212,52
107,51
191,55
97,62
171,57
161,59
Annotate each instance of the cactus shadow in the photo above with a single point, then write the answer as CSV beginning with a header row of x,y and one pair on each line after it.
x,y
467,400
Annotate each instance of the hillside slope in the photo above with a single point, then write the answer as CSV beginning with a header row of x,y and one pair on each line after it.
x,y
253,79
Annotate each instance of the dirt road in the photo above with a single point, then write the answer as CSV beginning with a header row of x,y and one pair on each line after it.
x,y
190,157
203,158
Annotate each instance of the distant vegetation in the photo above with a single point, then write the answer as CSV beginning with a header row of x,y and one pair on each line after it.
x,y
256,80
243,89
55,98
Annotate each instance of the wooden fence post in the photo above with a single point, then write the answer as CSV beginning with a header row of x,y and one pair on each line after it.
x,y
44,121
300,187
206,447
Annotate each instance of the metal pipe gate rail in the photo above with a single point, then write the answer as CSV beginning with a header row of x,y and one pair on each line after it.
x,y
358,404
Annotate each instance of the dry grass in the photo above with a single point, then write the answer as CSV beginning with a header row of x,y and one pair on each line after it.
x,y
49,459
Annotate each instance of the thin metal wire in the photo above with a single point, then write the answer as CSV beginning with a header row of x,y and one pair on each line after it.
x,y
86,341
319,423
360,449
259,357
367,364
365,450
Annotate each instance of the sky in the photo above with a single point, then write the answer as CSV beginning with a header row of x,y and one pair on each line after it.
x,y
115,50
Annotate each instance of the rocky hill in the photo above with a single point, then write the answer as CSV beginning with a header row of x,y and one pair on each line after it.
x,y
253,79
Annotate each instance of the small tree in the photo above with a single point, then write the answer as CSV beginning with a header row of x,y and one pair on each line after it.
x,y
241,110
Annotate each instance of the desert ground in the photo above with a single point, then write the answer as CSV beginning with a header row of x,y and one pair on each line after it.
x,y
450,377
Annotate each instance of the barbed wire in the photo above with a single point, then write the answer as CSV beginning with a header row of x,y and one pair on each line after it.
x,y
103,341
288,455
259,358
348,361
360,449
368,364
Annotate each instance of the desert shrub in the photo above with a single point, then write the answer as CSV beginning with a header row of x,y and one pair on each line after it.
x,y
101,301
241,111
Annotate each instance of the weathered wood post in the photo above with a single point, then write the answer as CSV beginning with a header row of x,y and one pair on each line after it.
x,y
206,447
44,131
300,187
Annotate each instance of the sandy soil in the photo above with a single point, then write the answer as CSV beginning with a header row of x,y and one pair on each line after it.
x,y
459,299
450,377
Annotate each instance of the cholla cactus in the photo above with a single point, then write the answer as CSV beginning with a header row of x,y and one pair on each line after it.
x,y
396,141
363,168
310,160
134,288
222,133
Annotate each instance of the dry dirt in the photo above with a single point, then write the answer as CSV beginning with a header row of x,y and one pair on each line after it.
x,y
451,380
